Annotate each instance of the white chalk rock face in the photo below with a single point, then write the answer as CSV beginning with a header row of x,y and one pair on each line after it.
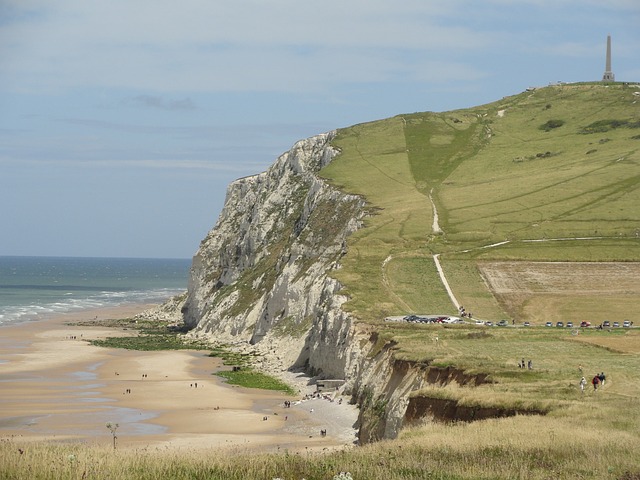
x,y
261,275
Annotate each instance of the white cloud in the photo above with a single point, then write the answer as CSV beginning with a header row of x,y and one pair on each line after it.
x,y
216,46
237,168
155,101
575,49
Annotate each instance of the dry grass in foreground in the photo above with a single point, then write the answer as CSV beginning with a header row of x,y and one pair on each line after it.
x,y
521,447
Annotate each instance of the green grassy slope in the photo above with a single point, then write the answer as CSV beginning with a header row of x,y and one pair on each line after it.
x,y
557,162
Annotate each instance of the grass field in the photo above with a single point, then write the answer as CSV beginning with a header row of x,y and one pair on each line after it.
x,y
495,173
537,198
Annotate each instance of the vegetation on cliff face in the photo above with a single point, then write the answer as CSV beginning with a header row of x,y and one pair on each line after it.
x,y
262,269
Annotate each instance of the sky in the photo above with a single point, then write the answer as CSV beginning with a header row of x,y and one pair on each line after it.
x,y
122,122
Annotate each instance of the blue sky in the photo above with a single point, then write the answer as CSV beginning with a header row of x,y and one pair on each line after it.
x,y
122,122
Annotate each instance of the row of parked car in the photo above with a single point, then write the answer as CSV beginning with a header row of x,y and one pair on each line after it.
x,y
501,323
605,324
504,323
419,319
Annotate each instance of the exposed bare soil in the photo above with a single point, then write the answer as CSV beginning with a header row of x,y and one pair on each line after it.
x,y
576,291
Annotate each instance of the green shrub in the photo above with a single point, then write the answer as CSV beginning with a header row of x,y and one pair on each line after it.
x,y
606,125
551,124
253,379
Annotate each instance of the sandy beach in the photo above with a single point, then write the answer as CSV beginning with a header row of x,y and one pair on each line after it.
x,y
55,386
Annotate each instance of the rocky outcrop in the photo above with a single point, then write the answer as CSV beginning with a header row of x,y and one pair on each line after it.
x,y
262,274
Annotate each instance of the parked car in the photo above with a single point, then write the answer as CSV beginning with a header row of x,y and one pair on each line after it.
x,y
548,324
488,324
569,324
585,324
452,320
616,324
559,324
526,324
606,323
503,323
626,324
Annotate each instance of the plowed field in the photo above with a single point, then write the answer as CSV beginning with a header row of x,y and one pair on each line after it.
x,y
565,291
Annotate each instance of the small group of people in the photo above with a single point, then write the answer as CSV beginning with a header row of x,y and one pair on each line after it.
x,y
597,380
528,365
464,313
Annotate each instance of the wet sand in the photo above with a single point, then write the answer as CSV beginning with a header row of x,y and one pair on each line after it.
x,y
55,386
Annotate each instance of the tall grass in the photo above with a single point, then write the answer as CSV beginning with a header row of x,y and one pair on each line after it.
x,y
522,447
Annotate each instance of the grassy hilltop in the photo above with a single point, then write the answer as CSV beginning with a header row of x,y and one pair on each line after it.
x,y
560,162
538,208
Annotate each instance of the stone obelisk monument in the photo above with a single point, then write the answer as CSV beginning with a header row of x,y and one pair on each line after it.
x,y
608,74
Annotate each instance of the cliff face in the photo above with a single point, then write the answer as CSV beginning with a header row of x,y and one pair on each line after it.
x,y
261,274
383,388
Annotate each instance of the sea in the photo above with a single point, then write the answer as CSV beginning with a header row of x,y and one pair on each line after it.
x,y
33,288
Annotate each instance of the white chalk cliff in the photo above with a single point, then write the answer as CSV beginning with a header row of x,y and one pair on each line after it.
x,y
262,273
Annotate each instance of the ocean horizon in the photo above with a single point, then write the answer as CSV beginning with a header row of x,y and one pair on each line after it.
x,y
35,288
